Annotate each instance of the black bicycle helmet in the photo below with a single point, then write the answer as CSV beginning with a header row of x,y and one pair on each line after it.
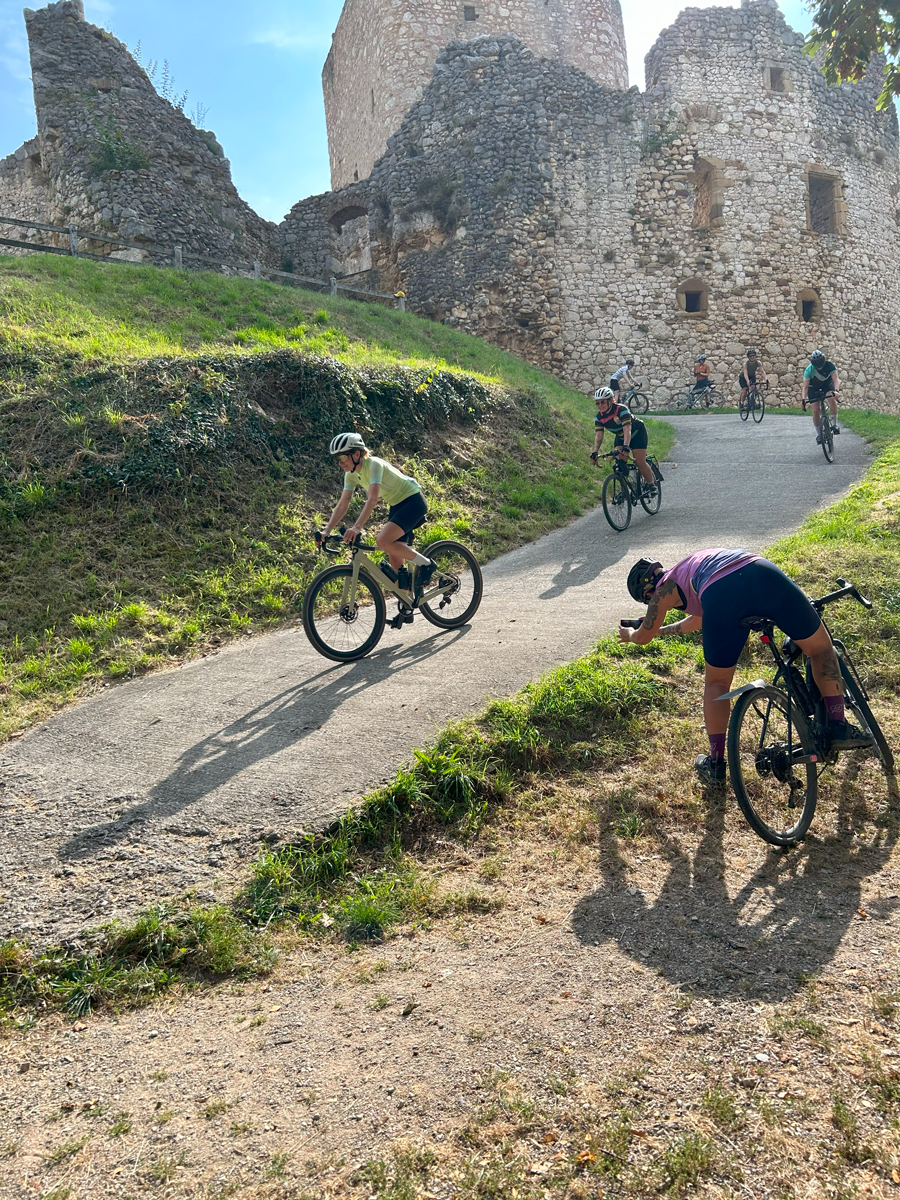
x,y
751,353
629,362
817,358
640,579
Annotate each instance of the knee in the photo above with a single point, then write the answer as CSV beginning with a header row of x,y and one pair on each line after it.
x,y
382,541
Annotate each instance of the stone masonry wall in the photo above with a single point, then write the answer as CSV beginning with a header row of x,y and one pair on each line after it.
x,y
382,57
523,202
24,190
172,185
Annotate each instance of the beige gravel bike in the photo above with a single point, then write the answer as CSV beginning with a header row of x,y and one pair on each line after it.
x,y
344,607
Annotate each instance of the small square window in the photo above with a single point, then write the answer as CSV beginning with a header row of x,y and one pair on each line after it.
x,y
776,79
469,13
693,302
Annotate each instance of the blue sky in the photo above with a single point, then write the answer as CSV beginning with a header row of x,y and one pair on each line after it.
x,y
258,72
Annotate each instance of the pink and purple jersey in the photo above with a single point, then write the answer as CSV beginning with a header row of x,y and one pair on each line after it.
x,y
694,574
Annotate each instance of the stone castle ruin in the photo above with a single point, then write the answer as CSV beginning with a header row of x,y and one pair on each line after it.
x,y
512,187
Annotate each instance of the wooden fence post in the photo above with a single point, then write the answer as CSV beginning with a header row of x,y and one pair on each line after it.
x,y
179,258
73,239
332,285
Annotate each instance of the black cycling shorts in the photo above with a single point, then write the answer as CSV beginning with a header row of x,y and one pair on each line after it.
x,y
758,590
744,382
816,395
614,385
639,439
409,512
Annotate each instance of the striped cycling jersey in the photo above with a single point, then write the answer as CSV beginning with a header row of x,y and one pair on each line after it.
x,y
616,417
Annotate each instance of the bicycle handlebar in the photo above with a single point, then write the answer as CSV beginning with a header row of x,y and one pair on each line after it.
x,y
845,588
334,551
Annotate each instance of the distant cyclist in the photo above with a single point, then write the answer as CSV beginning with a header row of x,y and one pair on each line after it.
x,y
702,380
820,382
629,431
751,373
623,375
407,507
718,588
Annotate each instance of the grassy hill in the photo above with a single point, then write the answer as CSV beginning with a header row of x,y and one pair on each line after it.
x,y
162,459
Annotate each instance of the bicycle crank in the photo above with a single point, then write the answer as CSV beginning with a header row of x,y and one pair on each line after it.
x,y
404,616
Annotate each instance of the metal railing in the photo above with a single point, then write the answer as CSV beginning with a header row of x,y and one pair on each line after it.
x,y
179,258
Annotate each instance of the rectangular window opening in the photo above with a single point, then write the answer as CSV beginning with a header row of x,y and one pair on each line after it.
x,y
469,13
693,302
823,194
808,308
776,79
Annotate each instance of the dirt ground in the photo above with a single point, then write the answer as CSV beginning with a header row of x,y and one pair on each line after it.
x,y
686,1013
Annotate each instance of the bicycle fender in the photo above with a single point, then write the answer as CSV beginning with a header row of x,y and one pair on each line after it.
x,y
748,687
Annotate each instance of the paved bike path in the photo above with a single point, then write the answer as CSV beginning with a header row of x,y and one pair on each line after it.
x,y
167,782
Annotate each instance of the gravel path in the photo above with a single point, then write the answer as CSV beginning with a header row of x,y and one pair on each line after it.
x,y
171,781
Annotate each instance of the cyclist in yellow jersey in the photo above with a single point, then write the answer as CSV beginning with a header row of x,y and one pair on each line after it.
x,y
406,511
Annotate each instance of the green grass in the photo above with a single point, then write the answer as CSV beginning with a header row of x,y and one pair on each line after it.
x,y
149,511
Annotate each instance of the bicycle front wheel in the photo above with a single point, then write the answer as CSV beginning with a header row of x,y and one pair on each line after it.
x,y
341,625
759,408
617,502
458,576
856,702
771,762
827,437
745,408
639,403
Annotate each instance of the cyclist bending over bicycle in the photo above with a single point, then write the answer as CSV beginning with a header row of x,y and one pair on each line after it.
x,y
820,382
406,511
719,589
630,434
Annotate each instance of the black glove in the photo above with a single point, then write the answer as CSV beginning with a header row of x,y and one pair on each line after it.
x,y
594,456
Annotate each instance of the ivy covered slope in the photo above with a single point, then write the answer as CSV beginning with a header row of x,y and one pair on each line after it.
x,y
162,457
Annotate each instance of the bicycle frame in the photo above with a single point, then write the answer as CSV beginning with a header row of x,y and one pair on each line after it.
x,y
360,561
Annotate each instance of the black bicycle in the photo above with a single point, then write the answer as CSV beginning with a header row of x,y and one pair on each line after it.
x,y
827,423
635,400
754,403
624,488
778,742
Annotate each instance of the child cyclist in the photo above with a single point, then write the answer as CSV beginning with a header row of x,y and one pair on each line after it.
x,y
406,505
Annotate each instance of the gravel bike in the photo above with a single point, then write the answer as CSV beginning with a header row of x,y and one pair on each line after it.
x,y
635,400
711,397
778,743
827,423
344,609
754,403
624,488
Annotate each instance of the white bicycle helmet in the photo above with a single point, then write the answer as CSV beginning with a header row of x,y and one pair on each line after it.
x,y
343,443
603,393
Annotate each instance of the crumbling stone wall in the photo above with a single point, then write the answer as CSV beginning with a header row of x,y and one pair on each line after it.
x,y
24,191
574,224
382,57
117,158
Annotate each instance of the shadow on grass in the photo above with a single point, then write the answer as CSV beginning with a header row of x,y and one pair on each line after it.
x,y
784,924
264,731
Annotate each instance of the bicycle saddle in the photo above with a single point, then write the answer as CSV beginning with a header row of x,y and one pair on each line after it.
x,y
757,624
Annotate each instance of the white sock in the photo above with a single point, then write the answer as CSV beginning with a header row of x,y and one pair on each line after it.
x,y
419,559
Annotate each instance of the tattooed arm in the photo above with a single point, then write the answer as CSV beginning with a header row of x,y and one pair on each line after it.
x,y
664,598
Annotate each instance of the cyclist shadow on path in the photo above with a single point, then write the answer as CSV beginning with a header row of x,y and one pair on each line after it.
x,y
785,923
277,724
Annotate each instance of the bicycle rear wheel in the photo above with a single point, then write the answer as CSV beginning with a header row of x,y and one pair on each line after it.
x,y
759,408
458,575
856,702
617,502
650,504
682,400
776,789
340,629
716,398
827,436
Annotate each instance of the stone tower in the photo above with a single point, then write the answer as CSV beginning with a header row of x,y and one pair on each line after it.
x,y
383,54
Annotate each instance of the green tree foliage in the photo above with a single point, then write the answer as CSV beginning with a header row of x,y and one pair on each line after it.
x,y
850,32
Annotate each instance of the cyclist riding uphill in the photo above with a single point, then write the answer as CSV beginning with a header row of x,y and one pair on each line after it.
x,y
701,374
630,434
718,589
623,373
820,382
751,373
407,507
